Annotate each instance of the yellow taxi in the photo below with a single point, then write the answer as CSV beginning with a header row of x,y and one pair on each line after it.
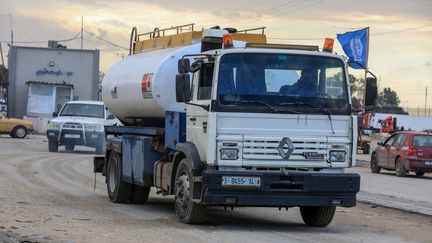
x,y
16,128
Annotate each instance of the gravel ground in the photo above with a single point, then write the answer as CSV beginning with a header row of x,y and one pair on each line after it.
x,y
49,197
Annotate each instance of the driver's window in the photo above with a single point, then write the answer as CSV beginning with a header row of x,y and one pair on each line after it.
x,y
390,140
205,81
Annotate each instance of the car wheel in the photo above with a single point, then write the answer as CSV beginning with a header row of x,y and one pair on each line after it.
x,y
69,148
366,148
374,164
400,169
139,194
420,173
52,146
19,132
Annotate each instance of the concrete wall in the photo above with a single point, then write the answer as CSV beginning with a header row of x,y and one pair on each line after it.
x,y
77,67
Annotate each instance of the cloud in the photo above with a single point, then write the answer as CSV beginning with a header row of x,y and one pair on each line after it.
x,y
428,64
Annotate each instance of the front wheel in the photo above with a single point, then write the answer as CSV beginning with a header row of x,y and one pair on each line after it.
x,y
139,194
52,146
19,132
374,164
187,211
69,148
118,190
318,216
420,173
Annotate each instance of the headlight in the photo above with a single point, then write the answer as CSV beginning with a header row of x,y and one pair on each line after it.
x,y
228,154
94,127
337,156
54,125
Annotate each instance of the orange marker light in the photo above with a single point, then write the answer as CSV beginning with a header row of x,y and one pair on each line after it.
x,y
328,44
228,40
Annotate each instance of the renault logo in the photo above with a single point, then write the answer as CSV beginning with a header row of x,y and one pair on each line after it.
x,y
285,153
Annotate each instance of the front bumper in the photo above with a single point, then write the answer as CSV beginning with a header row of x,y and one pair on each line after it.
x,y
76,137
283,189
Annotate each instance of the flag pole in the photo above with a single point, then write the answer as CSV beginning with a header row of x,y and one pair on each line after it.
x,y
366,71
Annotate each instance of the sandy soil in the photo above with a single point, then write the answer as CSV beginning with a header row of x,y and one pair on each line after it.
x,y
49,197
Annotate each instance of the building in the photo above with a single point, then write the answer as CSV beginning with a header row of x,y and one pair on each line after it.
x,y
41,80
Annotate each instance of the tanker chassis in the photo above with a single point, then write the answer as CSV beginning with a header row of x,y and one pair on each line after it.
x,y
258,125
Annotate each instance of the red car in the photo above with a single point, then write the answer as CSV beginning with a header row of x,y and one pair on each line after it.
x,y
404,152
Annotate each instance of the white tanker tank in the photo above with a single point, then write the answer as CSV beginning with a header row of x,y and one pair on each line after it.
x,y
141,87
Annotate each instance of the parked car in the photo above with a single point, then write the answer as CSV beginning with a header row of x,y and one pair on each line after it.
x,y
80,123
404,152
16,128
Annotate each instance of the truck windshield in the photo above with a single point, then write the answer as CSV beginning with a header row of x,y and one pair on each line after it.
x,y
86,110
298,82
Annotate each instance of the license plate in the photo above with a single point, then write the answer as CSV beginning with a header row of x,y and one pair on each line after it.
x,y
428,162
72,136
241,181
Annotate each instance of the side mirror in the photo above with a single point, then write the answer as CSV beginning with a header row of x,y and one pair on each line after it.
x,y
183,66
380,143
371,91
110,117
55,114
183,89
196,65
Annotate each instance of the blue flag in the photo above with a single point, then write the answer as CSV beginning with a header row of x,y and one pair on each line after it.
x,y
355,45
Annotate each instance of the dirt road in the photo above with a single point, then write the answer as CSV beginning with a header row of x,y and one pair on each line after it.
x,y
49,197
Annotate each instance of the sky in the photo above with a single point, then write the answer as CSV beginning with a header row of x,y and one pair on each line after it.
x,y
400,50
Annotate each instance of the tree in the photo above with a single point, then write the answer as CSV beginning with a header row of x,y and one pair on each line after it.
x,y
388,97
355,88
3,75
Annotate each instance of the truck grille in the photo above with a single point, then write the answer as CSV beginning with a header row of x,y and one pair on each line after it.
x,y
267,149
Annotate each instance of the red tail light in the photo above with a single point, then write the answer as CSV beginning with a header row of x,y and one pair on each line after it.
x,y
411,151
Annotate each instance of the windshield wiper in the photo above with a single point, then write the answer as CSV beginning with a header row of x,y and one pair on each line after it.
x,y
312,105
270,107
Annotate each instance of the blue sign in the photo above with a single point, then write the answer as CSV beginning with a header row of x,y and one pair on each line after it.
x,y
355,45
52,72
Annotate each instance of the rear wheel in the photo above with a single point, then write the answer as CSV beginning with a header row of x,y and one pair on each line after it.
x,y
374,164
420,173
400,168
366,148
19,132
52,146
318,216
69,148
118,190
187,211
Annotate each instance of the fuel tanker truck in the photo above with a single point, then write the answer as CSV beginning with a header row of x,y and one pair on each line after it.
x,y
219,117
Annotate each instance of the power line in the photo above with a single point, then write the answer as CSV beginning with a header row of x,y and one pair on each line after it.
x,y
40,41
106,41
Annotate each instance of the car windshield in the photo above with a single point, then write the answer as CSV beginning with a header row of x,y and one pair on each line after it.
x,y
282,80
422,141
86,110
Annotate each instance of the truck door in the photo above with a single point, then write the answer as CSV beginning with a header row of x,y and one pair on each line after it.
x,y
197,117
394,150
384,151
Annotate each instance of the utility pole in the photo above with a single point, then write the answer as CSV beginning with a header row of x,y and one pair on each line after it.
x,y
426,101
82,30
11,29
1,53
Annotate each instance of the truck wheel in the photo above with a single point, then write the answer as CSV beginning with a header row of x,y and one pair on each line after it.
x,y
69,148
118,190
139,194
366,148
374,164
52,146
187,211
400,169
318,216
19,132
